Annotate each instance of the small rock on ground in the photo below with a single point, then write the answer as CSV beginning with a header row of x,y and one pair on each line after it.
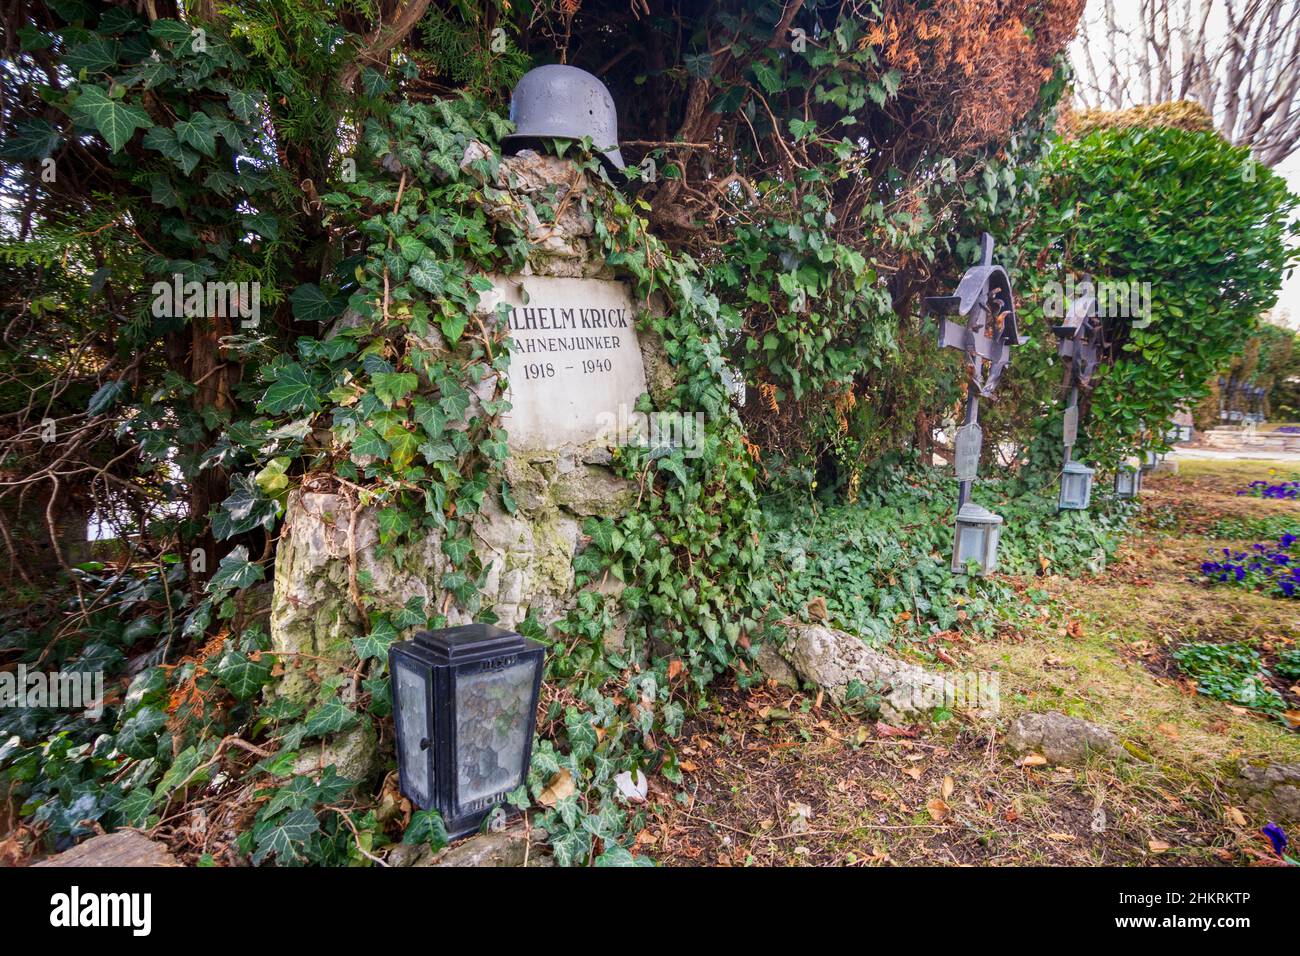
x,y
1272,790
1061,739
834,660
123,848
507,848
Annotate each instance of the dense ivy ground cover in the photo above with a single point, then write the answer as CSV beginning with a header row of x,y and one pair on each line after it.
x,y
881,565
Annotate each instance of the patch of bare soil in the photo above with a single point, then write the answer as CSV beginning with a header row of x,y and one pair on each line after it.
x,y
809,785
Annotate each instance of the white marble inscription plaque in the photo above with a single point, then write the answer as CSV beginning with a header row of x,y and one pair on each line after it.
x,y
576,367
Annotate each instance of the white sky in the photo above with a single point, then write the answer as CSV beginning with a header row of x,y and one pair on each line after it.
x,y
1289,299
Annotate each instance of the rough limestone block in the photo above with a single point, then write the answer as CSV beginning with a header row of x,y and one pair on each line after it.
x,y
123,848
833,660
529,179
1271,789
507,848
775,667
1061,739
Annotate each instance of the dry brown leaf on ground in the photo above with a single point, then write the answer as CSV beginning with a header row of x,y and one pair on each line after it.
x,y
937,809
557,788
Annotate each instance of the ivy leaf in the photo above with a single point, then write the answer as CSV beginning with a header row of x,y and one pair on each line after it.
x,y
185,769
426,826
330,718
455,404
303,791
411,615
457,549
139,735
244,509
241,675
197,131
135,807
428,275
374,83
99,54
621,856
453,326
392,387
243,104
105,397
163,139
604,535
236,571
280,837
403,444
376,643
170,31
291,391
394,522
310,304
264,224
431,418
116,121
571,846
369,444
31,139
768,76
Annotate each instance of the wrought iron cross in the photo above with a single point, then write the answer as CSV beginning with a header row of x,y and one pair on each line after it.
x,y
984,299
1082,341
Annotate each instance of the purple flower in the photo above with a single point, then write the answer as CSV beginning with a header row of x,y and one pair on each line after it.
x,y
1286,541
1277,836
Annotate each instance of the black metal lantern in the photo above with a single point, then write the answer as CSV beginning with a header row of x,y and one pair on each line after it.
x,y
1076,487
465,707
1128,481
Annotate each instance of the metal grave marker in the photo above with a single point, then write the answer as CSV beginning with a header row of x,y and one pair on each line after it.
x,y
967,445
1070,426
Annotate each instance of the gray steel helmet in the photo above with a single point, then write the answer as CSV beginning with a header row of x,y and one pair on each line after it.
x,y
565,102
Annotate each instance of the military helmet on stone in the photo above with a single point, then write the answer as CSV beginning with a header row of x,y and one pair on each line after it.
x,y
565,102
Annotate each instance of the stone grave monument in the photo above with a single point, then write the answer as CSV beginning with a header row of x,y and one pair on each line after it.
x,y
577,370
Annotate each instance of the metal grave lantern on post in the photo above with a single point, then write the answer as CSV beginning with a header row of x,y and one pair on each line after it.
x,y
465,707
978,531
1257,403
984,300
1076,486
1128,480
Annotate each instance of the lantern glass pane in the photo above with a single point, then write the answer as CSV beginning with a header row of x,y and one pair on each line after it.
x,y
991,556
970,544
492,713
415,714
1073,491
